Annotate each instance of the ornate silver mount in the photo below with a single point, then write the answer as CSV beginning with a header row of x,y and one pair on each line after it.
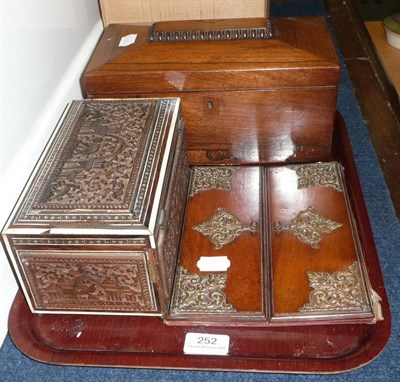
x,y
319,174
200,294
309,227
342,290
211,34
223,228
211,178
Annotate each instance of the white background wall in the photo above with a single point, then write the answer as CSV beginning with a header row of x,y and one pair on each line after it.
x,y
44,48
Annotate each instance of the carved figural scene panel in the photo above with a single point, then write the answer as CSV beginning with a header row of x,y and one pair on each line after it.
x,y
98,226
317,267
102,163
113,281
223,220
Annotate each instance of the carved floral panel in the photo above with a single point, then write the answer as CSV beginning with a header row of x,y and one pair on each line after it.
x,y
175,217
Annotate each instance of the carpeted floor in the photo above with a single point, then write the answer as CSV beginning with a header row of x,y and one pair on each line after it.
x,y
14,366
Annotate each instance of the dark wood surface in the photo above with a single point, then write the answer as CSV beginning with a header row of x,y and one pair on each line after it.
x,y
378,100
226,65
246,101
148,342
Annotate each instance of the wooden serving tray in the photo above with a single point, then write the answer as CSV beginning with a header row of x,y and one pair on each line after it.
x,y
146,342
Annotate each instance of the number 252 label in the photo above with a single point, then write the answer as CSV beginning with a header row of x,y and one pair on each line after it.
x,y
206,344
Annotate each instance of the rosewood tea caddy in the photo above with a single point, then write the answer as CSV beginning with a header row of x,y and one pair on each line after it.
x,y
246,98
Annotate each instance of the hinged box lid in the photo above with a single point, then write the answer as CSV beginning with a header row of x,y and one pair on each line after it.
x,y
102,170
300,54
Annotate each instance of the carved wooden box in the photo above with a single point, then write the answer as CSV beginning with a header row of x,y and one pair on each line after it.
x,y
271,246
252,92
98,225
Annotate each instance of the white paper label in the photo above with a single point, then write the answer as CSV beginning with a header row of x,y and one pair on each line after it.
x,y
128,40
206,344
213,263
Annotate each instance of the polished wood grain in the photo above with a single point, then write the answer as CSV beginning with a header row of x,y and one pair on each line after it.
x,y
245,252
269,126
135,341
292,258
244,101
376,95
